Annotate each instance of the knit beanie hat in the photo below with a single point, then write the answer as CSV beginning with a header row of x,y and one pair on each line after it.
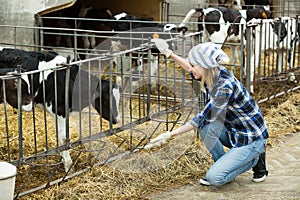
x,y
207,55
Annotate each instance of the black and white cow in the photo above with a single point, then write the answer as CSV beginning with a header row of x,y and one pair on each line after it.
x,y
103,20
84,89
278,35
129,32
224,24
221,24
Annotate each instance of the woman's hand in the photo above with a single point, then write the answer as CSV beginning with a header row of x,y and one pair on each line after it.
x,y
162,46
159,140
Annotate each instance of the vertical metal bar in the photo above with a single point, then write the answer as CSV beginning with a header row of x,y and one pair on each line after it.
x,y
78,78
20,114
159,82
37,39
100,94
165,11
294,40
55,105
183,73
266,69
278,57
242,60
68,68
259,49
6,120
149,79
44,103
75,40
90,98
110,86
42,36
298,37
33,113
248,57
139,58
15,37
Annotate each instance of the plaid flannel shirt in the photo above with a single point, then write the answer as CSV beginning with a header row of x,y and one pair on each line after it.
x,y
230,102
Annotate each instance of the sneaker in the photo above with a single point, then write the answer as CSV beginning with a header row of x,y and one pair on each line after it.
x,y
203,181
259,177
260,171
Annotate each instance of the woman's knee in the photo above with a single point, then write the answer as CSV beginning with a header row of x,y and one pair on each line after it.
x,y
215,179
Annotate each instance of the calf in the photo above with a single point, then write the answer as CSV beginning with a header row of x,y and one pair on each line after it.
x,y
278,35
129,32
103,20
222,24
83,89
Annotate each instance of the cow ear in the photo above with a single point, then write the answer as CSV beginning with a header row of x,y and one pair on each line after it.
x,y
264,15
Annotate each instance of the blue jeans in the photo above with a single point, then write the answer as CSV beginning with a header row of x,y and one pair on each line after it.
x,y
235,161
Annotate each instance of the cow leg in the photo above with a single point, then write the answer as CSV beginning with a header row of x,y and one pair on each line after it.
x,y
280,61
67,160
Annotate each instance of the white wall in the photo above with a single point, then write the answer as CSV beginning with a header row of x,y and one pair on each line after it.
x,y
21,13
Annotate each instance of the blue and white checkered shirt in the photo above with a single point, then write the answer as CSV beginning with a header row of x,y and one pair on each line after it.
x,y
231,103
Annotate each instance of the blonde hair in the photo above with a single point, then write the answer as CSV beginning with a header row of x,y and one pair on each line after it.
x,y
208,77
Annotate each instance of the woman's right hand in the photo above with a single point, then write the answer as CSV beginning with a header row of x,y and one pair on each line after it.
x,y
159,140
162,46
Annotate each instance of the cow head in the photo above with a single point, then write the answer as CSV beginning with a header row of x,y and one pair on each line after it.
x,y
172,27
10,86
107,104
258,13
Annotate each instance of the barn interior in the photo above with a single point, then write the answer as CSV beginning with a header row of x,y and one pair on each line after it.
x,y
67,16
146,9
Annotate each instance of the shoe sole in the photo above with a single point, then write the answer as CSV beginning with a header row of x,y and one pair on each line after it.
x,y
204,182
257,180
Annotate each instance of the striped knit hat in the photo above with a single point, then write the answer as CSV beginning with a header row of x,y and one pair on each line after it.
x,y
207,55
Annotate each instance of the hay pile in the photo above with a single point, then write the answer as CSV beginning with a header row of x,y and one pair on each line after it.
x,y
104,182
28,136
283,117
